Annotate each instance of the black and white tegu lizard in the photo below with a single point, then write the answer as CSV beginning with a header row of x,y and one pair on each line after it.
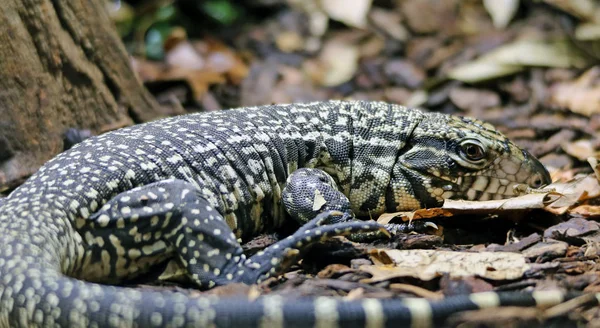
x,y
187,188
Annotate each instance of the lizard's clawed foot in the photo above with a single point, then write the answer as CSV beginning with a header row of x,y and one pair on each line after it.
x,y
276,258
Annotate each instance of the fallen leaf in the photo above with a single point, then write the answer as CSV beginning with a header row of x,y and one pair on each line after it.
x,y
184,55
516,246
352,13
514,57
581,149
289,41
556,198
430,264
587,32
389,22
581,96
595,166
452,207
584,9
550,249
417,291
586,211
429,16
501,11
573,192
339,62
574,228
471,98
404,73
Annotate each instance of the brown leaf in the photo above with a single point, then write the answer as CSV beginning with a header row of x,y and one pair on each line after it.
x,y
581,149
429,264
573,192
339,62
581,96
574,228
473,99
551,249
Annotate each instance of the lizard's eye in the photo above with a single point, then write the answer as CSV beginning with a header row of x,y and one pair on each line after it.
x,y
472,151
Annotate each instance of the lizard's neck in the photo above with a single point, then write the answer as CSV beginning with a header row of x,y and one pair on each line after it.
x,y
379,137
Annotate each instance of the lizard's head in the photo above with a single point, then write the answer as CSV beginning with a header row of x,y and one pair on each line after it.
x,y
464,158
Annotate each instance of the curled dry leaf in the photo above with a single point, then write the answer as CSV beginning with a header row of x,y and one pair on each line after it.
x,y
514,57
455,207
556,198
573,192
429,264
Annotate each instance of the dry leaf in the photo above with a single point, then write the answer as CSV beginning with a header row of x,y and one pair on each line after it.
x,y
501,11
319,201
454,207
583,9
581,149
184,55
339,62
595,165
586,211
556,198
429,264
352,13
587,32
513,57
573,192
581,96
389,22
289,41
547,249
471,98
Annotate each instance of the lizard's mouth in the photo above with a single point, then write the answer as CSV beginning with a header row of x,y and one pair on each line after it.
x,y
505,179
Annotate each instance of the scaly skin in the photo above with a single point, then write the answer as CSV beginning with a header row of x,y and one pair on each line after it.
x,y
185,188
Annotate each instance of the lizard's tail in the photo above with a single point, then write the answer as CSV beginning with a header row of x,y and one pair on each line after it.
x,y
34,295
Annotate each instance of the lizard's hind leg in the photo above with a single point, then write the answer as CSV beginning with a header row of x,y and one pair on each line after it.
x,y
148,225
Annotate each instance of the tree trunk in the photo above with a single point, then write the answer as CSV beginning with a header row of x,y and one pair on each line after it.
x,y
62,65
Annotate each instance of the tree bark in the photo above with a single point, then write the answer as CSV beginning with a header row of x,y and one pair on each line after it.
x,y
62,65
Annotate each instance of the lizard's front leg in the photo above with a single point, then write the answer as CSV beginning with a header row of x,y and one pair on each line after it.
x,y
309,192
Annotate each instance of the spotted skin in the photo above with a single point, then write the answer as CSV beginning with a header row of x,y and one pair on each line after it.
x,y
187,188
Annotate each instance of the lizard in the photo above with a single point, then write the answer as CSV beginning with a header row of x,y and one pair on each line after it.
x,y
188,188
